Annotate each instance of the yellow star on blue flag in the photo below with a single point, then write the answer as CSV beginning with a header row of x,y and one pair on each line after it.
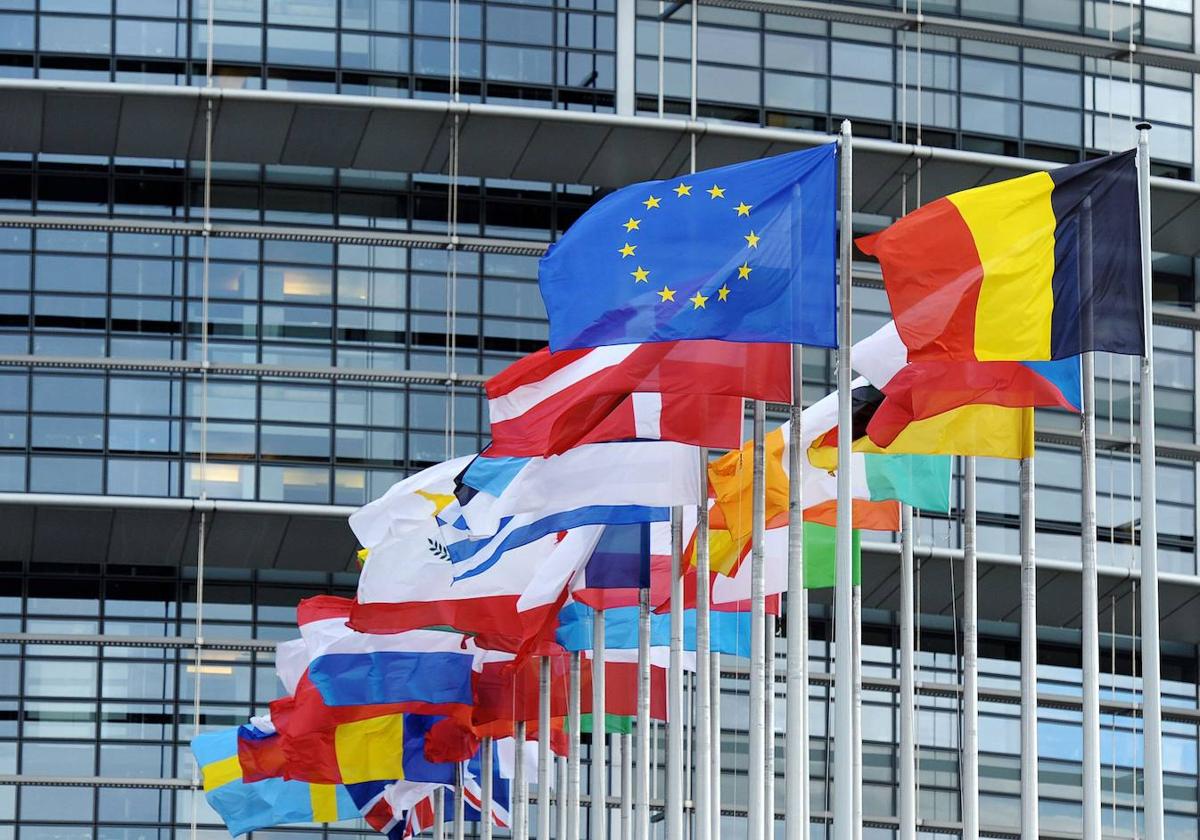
x,y
768,226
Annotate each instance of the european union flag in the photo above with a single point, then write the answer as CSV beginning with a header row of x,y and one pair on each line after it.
x,y
740,253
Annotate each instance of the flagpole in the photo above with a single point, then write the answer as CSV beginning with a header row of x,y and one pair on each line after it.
x,y
544,758
796,746
970,726
906,772
642,789
757,762
674,815
856,659
703,697
626,741
1029,739
1151,674
769,729
1089,596
459,805
439,820
573,746
485,789
560,800
599,754
519,793
843,678
715,740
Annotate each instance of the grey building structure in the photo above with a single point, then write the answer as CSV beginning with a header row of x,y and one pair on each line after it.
x,y
374,181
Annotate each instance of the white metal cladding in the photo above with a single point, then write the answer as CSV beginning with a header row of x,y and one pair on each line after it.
x,y
497,141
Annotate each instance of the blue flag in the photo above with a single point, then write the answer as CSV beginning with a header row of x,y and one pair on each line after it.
x,y
741,253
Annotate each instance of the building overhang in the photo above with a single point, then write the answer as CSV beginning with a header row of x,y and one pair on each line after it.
x,y
496,141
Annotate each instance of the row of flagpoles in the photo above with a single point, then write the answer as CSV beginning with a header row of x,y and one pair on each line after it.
x,y
462,521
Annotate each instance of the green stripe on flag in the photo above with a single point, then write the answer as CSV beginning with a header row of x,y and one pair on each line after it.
x,y
922,481
613,724
820,545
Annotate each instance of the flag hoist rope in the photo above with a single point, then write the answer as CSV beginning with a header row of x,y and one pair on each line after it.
x,y
843,754
796,743
1151,674
202,534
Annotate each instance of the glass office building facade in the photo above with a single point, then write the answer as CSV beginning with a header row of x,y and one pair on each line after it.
x,y
335,314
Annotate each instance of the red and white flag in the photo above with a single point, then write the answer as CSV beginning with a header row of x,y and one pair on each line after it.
x,y
686,391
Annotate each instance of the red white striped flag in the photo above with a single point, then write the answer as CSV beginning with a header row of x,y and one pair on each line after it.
x,y
685,391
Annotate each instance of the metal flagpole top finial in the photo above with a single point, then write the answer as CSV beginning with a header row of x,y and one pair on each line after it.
x,y
1143,126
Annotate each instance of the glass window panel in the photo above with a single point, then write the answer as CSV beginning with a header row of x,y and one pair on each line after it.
x,y
59,678
374,288
225,280
859,99
1052,125
800,55
230,43
375,52
860,61
295,441
50,803
301,47
298,284
1054,14
135,805
303,403
297,323
370,406
141,478
67,432
50,474
1053,87
990,116
146,277
16,32
322,13
233,400
75,34
432,17
14,271
157,39
358,445
728,84
225,440
70,274
136,761
222,481
730,46
992,78
524,26
295,484
519,64
13,391
50,759
376,15
59,720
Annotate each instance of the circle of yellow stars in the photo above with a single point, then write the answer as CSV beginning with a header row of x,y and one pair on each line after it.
x,y
666,294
